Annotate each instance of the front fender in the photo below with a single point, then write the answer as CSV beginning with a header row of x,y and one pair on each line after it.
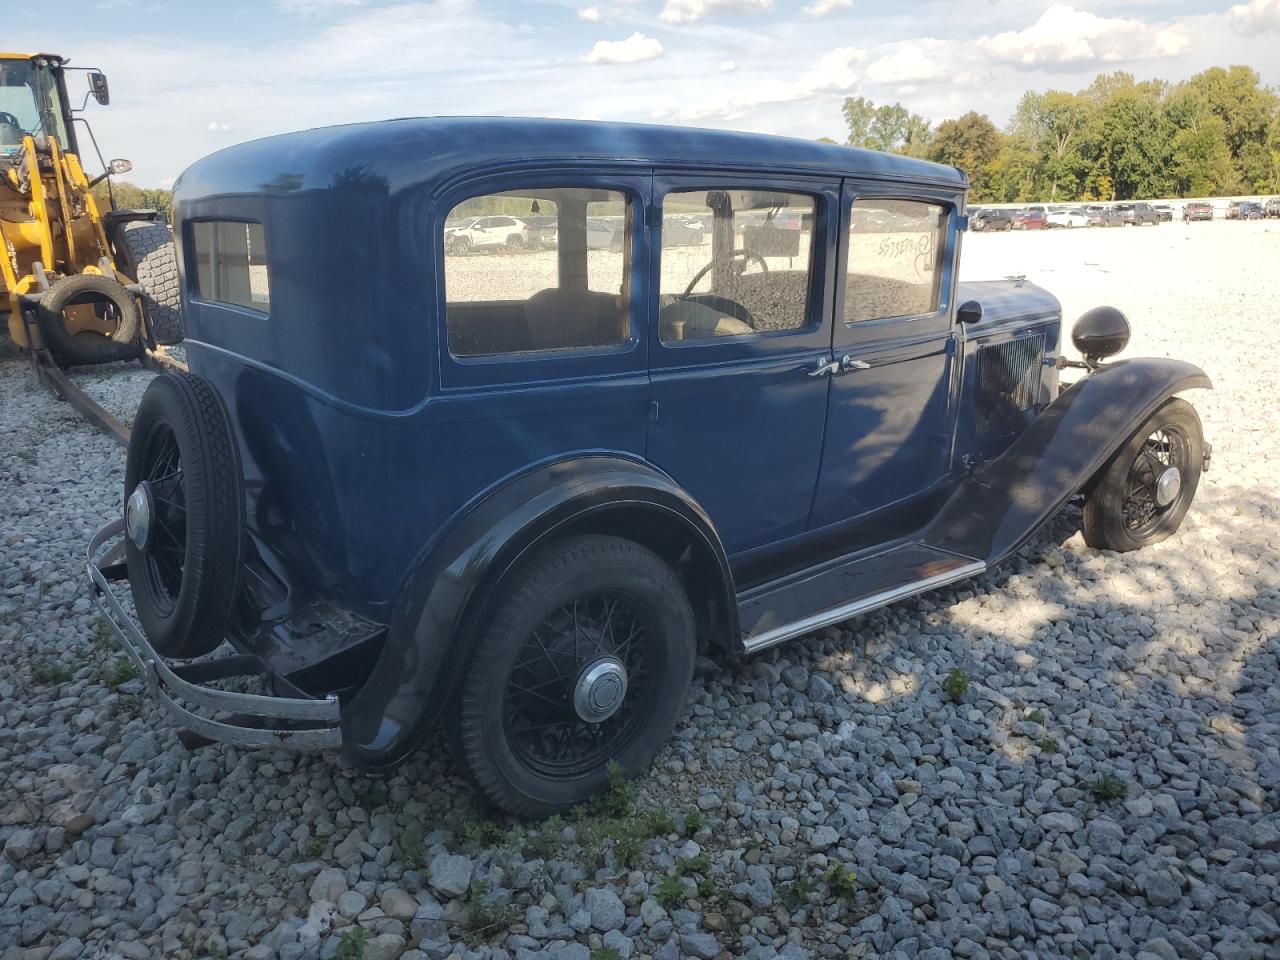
x,y
446,596
1004,501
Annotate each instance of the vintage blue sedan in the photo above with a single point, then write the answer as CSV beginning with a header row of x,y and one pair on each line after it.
x,y
513,484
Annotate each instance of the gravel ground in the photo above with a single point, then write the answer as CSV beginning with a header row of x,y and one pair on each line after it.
x,y
1107,787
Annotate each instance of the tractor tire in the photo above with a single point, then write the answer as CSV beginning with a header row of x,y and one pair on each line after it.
x,y
88,347
146,247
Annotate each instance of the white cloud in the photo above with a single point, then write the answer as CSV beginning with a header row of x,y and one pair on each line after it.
x,y
820,8
1065,35
833,73
316,8
635,49
217,126
687,11
914,60
728,66
1255,17
589,14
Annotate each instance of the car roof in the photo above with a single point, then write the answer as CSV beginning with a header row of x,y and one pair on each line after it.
x,y
408,151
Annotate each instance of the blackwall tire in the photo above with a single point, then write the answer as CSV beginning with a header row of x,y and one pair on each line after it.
x,y
1109,511
149,254
495,735
88,347
185,574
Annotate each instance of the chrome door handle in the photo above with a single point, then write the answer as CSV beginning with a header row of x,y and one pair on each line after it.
x,y
847,363
825,367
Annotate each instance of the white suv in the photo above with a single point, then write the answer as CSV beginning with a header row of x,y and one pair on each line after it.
x,y
486,233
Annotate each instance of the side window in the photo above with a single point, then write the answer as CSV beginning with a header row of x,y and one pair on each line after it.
x,y
546,269
735,263
231,263
895,259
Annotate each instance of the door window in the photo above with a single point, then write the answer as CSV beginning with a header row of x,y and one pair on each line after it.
x,y
231,263
547,270
895,258
735,263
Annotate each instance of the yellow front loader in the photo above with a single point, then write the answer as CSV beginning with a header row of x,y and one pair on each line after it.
x,y
82,284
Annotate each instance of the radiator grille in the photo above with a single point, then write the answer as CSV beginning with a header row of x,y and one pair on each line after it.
x,y
1008,382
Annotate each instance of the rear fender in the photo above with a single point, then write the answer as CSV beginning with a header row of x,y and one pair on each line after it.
x,y
997,508
430,634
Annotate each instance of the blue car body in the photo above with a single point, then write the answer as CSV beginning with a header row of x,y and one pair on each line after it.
x,y
392,483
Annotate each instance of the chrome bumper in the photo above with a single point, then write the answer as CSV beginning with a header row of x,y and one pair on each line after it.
x,y
312,723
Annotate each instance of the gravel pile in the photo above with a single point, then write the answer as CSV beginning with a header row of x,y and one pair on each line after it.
x,y
1106,786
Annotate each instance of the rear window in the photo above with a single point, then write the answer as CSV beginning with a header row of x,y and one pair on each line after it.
x,y
552,273
231,263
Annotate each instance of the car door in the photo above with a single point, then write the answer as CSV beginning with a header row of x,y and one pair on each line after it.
x,y
740,347
889,420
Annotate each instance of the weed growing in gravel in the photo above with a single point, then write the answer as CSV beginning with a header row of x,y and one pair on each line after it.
x,y
670,892
484,833
795,894
352,943
27,455
49,672
376,796
693,820
482,920
956,685
1036,716
1049,745
122,671
1109,787
841,880
409,845
315,847
102,638
605,953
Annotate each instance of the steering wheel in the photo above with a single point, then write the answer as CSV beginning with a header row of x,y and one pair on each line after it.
x,y
739,260
10,119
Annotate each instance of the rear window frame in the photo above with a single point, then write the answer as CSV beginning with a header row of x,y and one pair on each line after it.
x,y
462,372
192,263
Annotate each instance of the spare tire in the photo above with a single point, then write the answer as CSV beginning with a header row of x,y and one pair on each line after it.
x,y
146,247
111,300
184,515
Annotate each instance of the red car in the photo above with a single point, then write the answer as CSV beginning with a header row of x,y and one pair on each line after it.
x,y
1033,219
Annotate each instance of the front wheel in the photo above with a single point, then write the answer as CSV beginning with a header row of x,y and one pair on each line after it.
x,y
585,662
1147,488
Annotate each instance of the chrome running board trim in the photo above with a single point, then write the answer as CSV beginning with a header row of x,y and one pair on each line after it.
x,y
853,608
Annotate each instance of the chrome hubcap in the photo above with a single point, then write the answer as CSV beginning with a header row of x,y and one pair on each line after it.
x,y
137,515
600,690
1168,486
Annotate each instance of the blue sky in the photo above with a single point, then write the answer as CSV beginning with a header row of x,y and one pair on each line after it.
x,y
188,78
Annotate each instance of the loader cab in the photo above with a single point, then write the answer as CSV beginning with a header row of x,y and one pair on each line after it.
x,y
33,101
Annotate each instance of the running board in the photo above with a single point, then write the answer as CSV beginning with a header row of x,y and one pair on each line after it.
x,y
836,592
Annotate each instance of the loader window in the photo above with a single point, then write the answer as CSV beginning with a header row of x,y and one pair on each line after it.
x,y
231,263
544,269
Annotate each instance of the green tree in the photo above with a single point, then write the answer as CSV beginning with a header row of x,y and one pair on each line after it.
x,y
1247,109
890,127
972,143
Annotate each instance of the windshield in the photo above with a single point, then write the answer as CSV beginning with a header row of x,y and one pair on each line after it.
x,y
29,104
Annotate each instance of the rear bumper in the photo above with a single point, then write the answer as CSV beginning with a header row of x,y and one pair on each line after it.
x,y
255,720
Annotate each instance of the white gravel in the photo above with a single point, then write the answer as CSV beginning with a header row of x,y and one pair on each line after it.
x,y
972,827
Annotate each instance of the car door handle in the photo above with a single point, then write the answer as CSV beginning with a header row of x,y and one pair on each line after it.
x,y
825,367
848,363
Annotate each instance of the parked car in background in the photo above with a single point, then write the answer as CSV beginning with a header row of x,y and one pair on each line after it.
x,y
1103,216
487,233
1138,213
1033,218
1073,217
990,220
1251,210
1272,208
1197,210
1165,212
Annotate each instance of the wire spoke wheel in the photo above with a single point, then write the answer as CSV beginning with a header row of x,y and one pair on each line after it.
x,y
166,548
1162,457
603,629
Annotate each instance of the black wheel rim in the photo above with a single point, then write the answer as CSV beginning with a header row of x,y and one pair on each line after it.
x,y
165,552
541,725
1163,448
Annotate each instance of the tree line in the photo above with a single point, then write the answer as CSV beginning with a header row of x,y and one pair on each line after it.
x,y
129,197
1118,139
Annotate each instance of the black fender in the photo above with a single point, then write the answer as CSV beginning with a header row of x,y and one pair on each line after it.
x,y
449,592
1002,503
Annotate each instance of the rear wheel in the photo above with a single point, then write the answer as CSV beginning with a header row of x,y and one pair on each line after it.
x,y
586,662
148,253
183,516
1147,488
